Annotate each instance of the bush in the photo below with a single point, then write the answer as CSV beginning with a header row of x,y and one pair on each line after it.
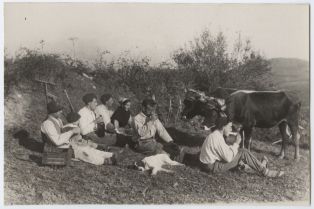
x,y
204,65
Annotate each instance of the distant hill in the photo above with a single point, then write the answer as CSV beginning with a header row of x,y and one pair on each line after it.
x,y
292,74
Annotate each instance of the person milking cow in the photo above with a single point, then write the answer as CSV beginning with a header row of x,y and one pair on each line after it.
x,y
216,156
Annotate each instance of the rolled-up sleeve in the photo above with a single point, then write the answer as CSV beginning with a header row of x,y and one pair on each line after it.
x,y
144,130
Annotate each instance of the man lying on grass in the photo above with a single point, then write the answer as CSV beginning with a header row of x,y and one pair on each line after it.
x,y
217,156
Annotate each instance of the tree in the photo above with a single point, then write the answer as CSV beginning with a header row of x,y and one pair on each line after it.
x,y
206,63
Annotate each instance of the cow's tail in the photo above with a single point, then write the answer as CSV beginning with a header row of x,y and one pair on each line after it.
x,y
288,132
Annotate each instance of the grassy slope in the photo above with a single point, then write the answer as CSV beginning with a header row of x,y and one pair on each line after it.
x,y
28,183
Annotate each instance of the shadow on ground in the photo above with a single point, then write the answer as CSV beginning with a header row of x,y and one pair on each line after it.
x,y
26,141
184,138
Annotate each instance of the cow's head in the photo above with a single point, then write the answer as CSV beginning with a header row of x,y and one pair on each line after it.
x,y
197,103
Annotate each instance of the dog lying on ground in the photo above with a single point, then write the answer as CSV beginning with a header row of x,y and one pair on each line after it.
x,y
155,163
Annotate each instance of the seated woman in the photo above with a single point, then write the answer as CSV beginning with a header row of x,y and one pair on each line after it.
x,y
217,156
122,118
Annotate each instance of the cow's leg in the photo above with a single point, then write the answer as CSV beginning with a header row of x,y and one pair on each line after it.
x,y
242,133
247,137
296,138
283,131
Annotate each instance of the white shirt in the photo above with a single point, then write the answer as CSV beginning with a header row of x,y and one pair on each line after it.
x,y
215,148
61,140
104,112
87,121
144,130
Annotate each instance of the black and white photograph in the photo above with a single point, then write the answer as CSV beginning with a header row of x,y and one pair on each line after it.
x,y
156,103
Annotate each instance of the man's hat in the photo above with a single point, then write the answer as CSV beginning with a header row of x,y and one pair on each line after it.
x,y
53,107
73,117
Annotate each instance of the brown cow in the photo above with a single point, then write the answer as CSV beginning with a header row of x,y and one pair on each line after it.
x,y
262,109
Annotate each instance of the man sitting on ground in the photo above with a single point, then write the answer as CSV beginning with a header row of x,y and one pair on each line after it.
x,y
88,122
103,110
217,156
146,124
51,128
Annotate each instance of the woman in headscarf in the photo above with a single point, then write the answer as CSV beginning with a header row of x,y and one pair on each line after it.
x,y
122,118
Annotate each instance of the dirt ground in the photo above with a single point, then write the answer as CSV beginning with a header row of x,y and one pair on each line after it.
x,y
27,182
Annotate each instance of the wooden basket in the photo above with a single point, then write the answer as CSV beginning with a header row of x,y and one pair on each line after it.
x,y
56,156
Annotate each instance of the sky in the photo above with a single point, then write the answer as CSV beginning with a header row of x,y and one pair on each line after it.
x,y
153,30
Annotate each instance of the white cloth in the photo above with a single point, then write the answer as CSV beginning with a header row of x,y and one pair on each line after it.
x,y
146,130
156,162
86,152
215,148
104,112
61,140
90,155
87,121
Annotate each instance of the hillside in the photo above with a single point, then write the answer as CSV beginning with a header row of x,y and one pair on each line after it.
x,y
27,181
292,74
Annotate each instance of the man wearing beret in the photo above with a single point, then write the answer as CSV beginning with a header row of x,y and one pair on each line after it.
x,y
51,128
88,121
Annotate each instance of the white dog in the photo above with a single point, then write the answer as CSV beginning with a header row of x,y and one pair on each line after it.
x,y
155,163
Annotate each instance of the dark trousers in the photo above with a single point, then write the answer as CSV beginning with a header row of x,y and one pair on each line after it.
x,y
243,155
148,147
123,140
107,140
111,140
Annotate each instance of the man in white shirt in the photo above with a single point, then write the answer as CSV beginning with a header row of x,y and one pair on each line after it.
x,y
146,125
51,128
88,121
104,111
217,156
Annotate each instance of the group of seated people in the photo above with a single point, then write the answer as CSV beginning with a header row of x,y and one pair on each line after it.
x,y
96,128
